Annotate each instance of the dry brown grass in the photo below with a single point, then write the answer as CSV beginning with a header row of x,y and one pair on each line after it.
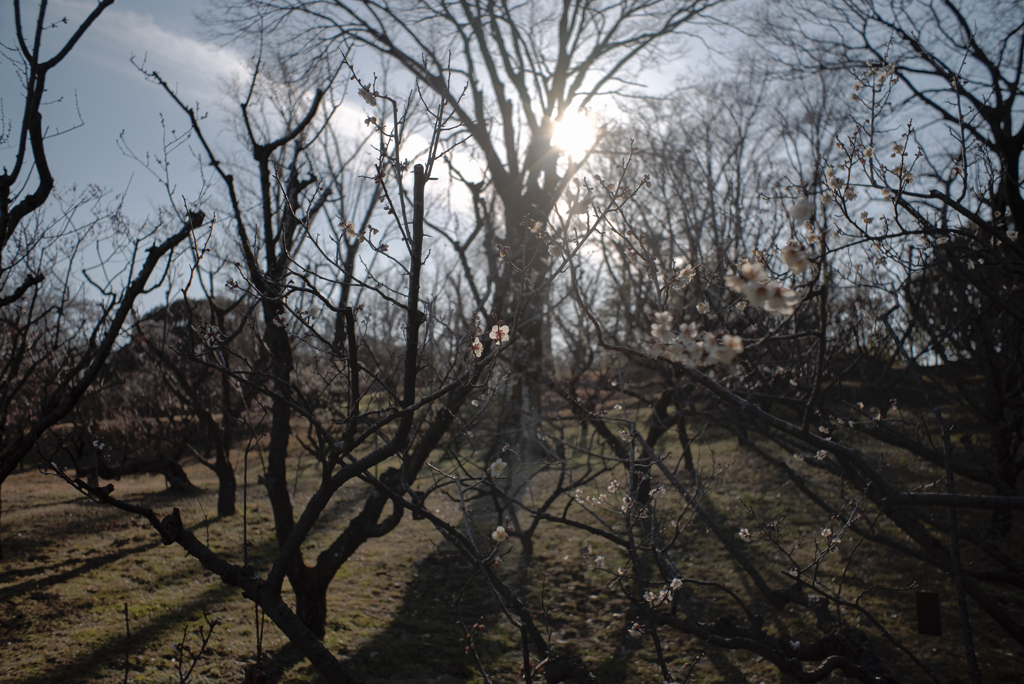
x,y
71,565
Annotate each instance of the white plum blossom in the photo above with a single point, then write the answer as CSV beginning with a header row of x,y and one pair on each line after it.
x,y
760,290
687,272
745,534
499,534
722,351
369,97
678,274
497,468
802,211
688,347
657,599
781,301
703,307
795,256
477,347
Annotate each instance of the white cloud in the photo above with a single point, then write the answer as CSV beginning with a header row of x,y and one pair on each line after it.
x,y
199,68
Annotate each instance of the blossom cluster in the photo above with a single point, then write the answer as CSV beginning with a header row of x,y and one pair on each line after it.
x,y
664,595
587,500
839,185
679,274
760,290
688,347
210,334
795,256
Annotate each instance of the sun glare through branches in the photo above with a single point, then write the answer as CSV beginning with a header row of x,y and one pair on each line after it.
x,y
575,135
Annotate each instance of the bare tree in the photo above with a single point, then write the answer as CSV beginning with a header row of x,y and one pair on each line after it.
x,y
55,345
509,73
903,276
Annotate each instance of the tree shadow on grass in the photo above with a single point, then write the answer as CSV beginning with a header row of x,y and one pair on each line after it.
x,y
110,652
77,570
423,641
80,567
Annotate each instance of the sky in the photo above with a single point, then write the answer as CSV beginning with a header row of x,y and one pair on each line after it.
x,y
98,87
97,99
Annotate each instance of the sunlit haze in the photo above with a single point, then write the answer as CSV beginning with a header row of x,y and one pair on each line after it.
x,y
574,134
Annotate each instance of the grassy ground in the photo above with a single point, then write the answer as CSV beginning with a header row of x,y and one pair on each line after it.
x,y
71,566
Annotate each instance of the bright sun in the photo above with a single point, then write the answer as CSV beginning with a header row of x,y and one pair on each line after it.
x,y
574,134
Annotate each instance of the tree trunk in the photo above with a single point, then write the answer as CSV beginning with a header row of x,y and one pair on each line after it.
x,y
1002,518
311,601
226,485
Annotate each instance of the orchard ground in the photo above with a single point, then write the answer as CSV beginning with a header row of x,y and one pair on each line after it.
x,y
71,565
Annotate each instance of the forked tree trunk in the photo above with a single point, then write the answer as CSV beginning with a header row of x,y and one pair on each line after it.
x,y
311,602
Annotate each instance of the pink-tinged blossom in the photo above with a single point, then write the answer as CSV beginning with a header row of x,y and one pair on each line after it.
x,y
477,347
499,333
